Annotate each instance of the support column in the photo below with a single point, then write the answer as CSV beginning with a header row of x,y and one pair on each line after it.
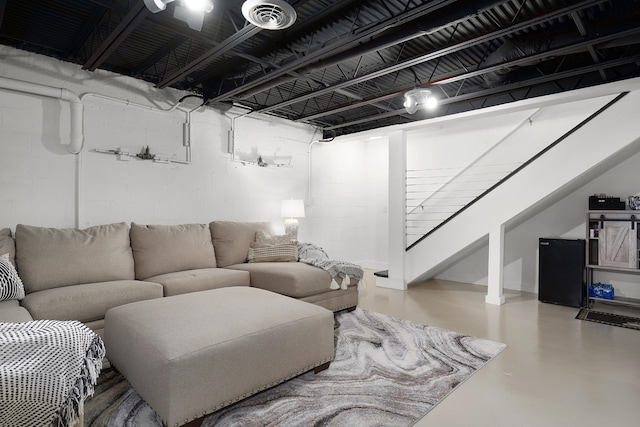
x,y
397,217
496,266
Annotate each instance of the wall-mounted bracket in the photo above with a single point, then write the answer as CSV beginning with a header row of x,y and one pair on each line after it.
x,y
144,154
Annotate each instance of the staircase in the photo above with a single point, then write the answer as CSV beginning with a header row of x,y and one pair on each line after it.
x,y
583,153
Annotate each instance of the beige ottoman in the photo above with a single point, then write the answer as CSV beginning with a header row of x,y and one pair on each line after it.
x,y
192,354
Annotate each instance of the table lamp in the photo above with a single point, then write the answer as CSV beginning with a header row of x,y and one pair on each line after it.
x,y
292,209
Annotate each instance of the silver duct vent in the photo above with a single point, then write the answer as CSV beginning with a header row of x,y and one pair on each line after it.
x,y
269,14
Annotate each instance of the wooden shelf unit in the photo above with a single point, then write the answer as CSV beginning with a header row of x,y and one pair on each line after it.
x,y
613,244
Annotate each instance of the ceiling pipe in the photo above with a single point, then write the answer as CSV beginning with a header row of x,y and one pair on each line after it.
x,y
77,108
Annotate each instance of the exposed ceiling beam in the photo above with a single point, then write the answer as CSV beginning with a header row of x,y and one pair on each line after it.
x,y
226,45
3,3
340,45
457,76
292,33
501,89
438,53
582,29
165,50
99,13
295,74
135,16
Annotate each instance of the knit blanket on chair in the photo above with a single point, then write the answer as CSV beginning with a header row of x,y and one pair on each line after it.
x,y
47,369
342,272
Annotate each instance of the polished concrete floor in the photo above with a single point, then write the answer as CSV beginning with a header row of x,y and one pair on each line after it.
x,y
556,370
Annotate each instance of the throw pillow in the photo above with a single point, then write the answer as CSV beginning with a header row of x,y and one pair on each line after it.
x,y
10,284
264,237
260,252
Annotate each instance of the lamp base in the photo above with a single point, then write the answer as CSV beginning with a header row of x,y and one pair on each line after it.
x,y
291,227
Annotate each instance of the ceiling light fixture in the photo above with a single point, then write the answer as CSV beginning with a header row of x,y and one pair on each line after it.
x,y
192,11
269,14
419,97
156,6
205,6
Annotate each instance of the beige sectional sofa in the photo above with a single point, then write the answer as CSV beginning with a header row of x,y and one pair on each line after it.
x,y
73,274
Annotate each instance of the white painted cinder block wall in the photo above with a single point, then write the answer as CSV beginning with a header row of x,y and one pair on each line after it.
x,y
346,187
38,176
348,194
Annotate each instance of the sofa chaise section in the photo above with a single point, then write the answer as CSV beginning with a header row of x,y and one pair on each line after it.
x,y
301,281
181,258
232,241
73,274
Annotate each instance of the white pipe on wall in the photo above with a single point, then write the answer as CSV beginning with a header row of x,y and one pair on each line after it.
x,y
77,109
186,128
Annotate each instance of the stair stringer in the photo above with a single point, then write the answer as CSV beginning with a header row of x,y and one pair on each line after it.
x,y
603,142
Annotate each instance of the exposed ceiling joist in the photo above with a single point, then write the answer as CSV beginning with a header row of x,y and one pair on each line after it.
x,y
344,65
135,16
495,35
341,45
3,4
228,44
500,90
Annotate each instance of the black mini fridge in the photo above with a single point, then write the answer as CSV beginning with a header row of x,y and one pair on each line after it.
x,y
561,271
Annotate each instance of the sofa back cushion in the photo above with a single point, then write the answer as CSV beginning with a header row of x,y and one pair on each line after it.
x,y
232,240
7,245
50,257
162,249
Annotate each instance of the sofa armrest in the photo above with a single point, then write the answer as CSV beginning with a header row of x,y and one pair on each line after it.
x,y
11,311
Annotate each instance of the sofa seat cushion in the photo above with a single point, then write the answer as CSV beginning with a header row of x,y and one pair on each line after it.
x,y
10,311
294,279
202,279
161,249
50,257
88,302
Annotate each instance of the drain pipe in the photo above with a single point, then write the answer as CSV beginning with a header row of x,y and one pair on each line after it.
x,y
77,109
310,163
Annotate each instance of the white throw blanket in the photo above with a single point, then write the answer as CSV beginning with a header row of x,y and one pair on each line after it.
x,y
47,369
342,270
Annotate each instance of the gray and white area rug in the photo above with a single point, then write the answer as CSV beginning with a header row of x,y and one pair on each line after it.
x,y
386,372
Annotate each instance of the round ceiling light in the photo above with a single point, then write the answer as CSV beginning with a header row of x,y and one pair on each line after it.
x,y
269,14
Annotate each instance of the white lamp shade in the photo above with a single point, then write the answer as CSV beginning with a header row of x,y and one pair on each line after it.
x,y
292,208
